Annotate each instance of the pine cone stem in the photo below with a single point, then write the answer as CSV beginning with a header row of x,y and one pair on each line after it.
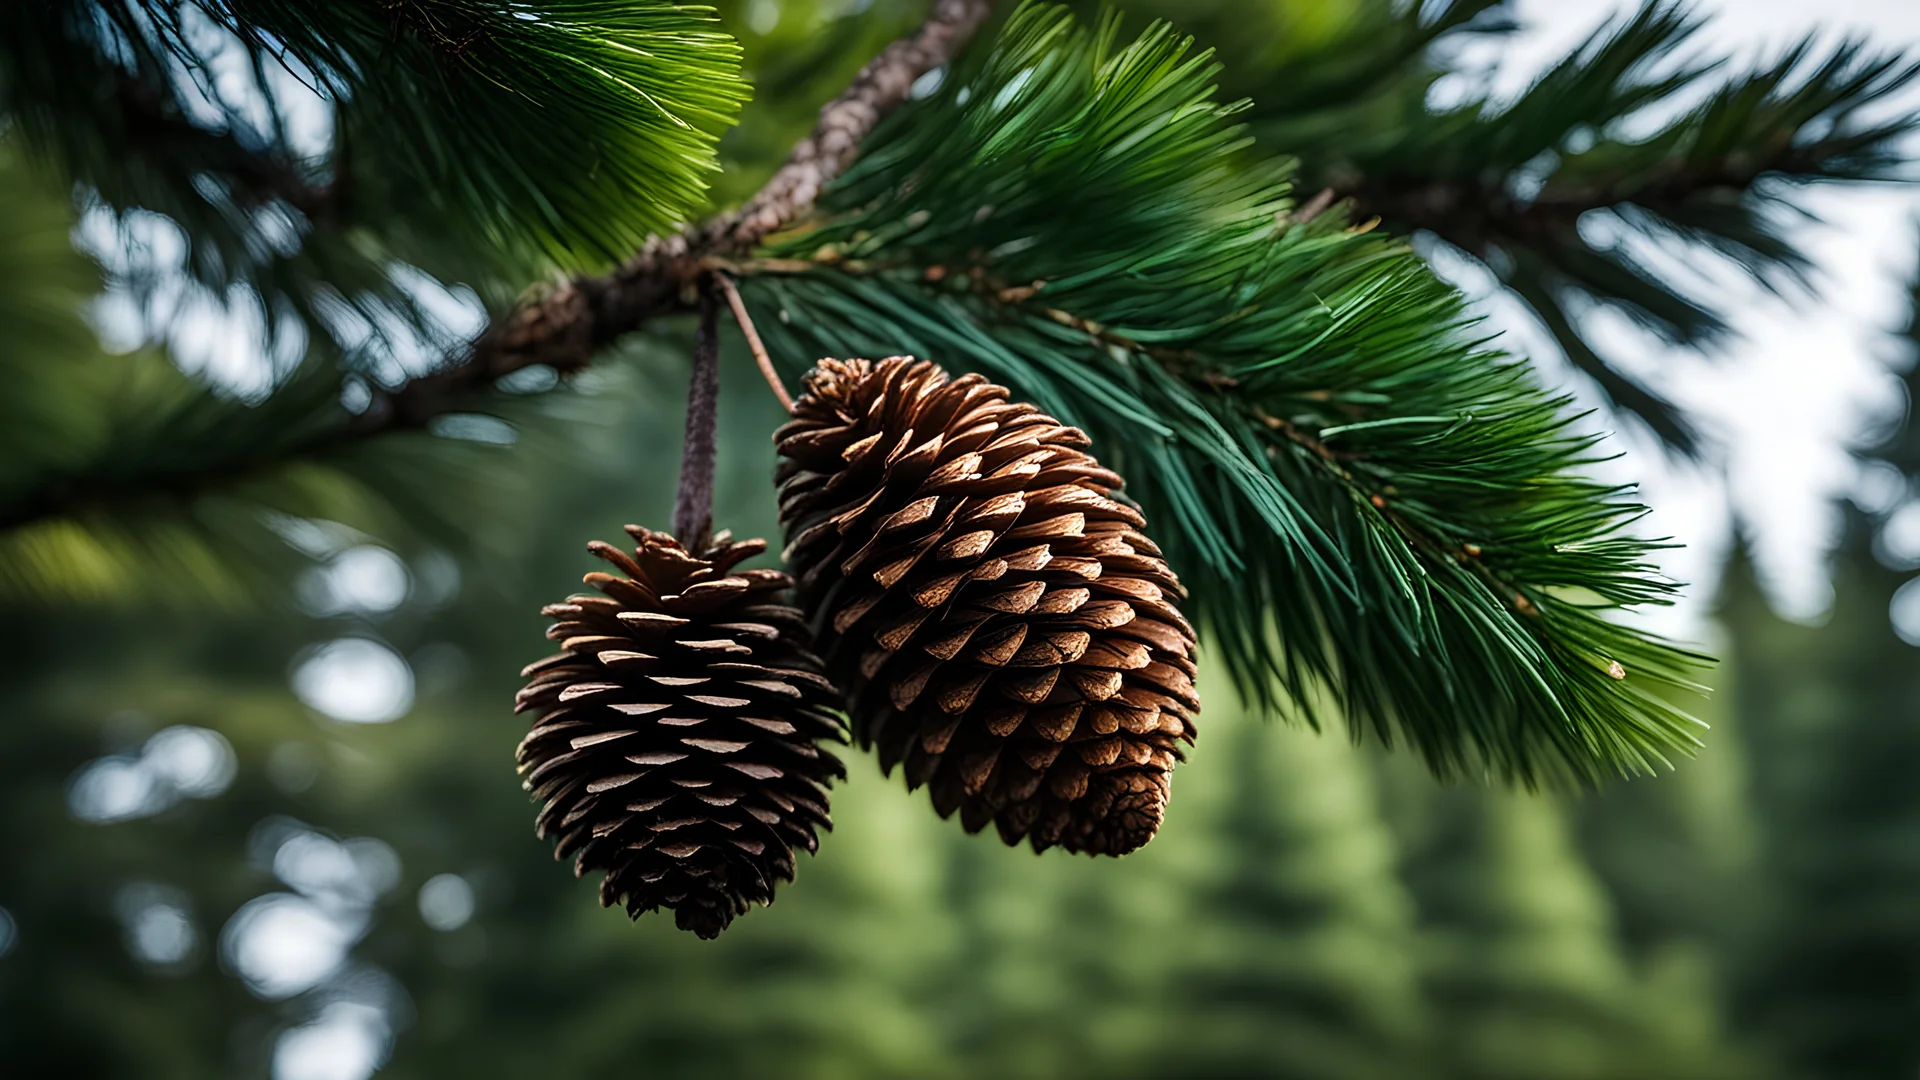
x,y
693,505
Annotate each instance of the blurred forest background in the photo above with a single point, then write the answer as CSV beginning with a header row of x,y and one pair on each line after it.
x,y
275,830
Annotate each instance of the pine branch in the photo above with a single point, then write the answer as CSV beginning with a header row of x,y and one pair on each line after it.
x,y
846,120
1509,184
1752,129
1357,495
174,493
479,143
124,480
154,127
572,129
564,329
1540,289
1337,59
209,202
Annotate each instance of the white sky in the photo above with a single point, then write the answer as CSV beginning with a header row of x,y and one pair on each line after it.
x,y
1804,377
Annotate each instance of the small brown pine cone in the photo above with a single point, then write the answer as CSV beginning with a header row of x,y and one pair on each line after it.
x,y
675,747
1003,626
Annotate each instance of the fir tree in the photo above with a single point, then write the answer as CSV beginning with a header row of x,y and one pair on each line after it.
x,y
1303,959
1525,971
1832,975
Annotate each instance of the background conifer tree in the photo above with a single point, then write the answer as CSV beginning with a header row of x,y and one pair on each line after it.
x,y
1832,976
1524,963
1304,959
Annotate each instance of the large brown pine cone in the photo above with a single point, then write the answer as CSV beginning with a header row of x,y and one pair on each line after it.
x,y
675,745
1002,625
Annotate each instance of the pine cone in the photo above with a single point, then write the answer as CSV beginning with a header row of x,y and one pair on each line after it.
x,y
675,744
1003,626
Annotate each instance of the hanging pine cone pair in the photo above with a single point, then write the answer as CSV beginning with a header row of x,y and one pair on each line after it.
x,y
1002,627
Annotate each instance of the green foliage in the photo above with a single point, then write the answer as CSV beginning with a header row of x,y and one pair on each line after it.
x,y
1530,981
1356,492
1643,133
1260,379
1830,973
571,127
1570,144
314,161
1271,904
1323,73
809,53
124,479
43,283
1307,963
577,126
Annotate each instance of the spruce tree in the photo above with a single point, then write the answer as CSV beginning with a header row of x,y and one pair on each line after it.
x,y
1524,968
1303,957
1832,975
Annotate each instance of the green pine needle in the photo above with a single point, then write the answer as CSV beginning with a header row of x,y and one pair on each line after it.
x,y
1358,495
1638,134
576,126
479,143
124,480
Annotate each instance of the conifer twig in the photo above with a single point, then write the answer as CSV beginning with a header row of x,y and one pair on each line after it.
x,y
881,86
752,334
564,327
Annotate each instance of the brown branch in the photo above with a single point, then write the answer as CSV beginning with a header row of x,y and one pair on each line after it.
x,y
565,326
980,282
1314,207
880,87
1299,437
